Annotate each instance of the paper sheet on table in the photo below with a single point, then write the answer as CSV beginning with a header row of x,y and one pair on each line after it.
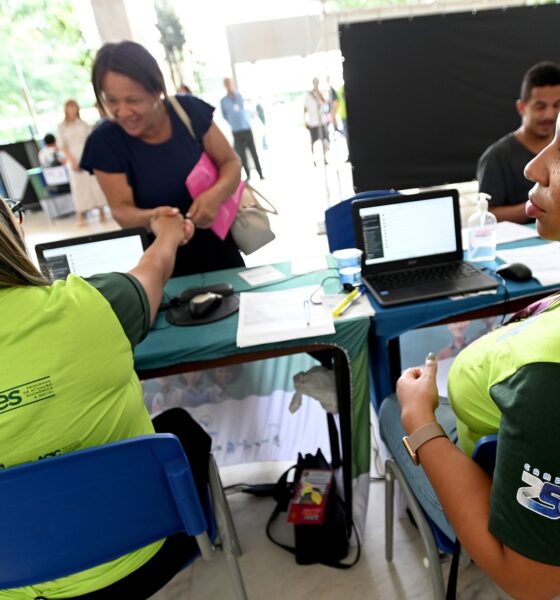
x,y
505,232
267,317
513,232
308,264
262,275
361,307
543,260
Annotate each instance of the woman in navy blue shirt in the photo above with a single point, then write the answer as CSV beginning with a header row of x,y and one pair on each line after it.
x,y
143,153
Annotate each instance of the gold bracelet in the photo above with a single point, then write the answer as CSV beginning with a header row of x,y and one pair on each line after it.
x,y
422,435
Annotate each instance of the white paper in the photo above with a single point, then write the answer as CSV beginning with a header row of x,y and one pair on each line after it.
x,y
308,264
261,275
512,232
543,260
267,317
505,232
361,307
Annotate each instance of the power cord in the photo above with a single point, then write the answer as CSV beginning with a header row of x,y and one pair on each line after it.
x,y
260,490
176,300
501,283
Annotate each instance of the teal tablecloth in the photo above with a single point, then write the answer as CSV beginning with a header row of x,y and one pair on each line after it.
x,y
168,345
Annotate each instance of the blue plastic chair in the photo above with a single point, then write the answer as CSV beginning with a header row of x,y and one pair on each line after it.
x,y
434,539
78,510
338,220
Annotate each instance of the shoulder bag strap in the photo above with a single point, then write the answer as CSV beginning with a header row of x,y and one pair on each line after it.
x,y
271,208
182,114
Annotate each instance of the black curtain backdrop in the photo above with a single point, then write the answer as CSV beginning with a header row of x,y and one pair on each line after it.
x,y
427,95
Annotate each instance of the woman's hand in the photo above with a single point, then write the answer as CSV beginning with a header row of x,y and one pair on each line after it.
x,y
418,395
204,209
172,225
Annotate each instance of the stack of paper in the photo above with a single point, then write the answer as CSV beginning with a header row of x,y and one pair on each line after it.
x,y
543,260
267,317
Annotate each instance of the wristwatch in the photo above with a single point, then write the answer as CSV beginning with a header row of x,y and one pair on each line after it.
x,y
422,435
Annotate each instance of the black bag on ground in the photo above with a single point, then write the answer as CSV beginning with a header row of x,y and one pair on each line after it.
x,y
327,543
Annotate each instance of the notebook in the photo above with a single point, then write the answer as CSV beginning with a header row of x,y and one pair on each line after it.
x,y
88,255
412,248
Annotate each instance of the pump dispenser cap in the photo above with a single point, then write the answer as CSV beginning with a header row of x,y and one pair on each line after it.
x,y
482,203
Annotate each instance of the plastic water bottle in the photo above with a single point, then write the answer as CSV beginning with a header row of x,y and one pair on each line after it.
x,y
482,232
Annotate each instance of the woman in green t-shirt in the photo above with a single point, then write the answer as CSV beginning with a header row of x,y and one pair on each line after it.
x,y
507,381
79,389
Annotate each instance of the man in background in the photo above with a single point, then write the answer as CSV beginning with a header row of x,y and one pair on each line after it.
x,y
500,168
234,113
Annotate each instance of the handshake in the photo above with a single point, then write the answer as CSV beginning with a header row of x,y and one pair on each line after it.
x,y
168,221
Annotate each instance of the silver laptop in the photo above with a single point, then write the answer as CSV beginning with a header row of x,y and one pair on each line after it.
x,y
412,248
112,251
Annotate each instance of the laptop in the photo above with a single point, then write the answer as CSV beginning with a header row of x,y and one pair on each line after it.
x,y
88,255
412,248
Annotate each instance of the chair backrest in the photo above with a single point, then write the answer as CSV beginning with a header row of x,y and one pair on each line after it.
x,y
72,512
338,220
484,453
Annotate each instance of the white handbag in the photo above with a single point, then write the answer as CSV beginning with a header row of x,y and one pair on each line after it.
x,y
251,228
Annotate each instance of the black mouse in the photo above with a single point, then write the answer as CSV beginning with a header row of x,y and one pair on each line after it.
x,y
202,304
515,272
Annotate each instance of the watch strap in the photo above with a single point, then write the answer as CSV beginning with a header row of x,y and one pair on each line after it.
x,y
421,436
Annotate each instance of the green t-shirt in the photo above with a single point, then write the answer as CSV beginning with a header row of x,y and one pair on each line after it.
x,y
509,382
68,382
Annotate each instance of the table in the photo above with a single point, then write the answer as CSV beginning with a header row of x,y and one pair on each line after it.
x,y
169,350
391,322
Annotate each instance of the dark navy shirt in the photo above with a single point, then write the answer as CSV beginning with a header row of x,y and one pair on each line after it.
x,y
157,172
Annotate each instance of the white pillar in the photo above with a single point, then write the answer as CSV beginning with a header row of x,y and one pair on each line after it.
x,y
135,20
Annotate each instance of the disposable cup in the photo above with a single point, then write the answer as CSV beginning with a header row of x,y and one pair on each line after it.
x,y
349,265
348,257
351,275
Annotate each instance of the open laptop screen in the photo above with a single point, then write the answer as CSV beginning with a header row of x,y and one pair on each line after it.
x,y
107,252
403,229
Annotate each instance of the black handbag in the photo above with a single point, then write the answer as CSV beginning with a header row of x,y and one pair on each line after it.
x,y
327,543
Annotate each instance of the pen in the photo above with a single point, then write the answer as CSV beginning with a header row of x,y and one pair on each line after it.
x,y
307,309
344,304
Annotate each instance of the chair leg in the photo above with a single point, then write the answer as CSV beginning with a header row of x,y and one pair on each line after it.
x,y
424,529
389,508
226,530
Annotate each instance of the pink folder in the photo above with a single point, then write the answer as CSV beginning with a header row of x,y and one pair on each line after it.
x,y
202,177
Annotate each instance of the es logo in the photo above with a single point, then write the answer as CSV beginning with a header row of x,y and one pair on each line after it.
x,y
8,399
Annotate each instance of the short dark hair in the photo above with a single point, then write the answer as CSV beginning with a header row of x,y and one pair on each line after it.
x,y
129,59
49,139
539,75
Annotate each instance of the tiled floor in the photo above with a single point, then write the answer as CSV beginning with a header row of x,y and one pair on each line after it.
x,y
299,191
271,573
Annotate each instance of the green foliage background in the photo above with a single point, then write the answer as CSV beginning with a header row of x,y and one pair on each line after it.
x,y
46,40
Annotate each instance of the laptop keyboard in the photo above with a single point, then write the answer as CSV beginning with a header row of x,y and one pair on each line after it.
x,y
410,277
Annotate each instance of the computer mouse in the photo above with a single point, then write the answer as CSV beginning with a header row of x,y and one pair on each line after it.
x,y
202,304
515,272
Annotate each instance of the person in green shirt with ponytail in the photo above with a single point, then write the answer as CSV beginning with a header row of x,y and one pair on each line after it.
x,y
68,383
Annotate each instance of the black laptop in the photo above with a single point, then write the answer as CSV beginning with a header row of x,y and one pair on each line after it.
x,y
412,248
88,255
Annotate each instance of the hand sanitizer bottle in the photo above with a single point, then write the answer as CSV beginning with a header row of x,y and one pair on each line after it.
x,y
482,232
